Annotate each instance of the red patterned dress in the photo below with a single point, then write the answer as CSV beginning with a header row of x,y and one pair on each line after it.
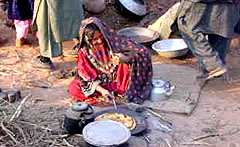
x,y
94,67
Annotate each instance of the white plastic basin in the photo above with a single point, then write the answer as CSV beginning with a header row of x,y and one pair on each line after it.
x,y
170,48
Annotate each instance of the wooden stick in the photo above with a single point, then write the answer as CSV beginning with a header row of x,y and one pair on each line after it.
x,y
167,142
158,115
9,133
2,137
9,104
68,144
35,125
22,133
196,143
19,108
18,56
205,136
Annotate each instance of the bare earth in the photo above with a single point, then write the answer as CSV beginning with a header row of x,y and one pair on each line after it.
x,y
217,113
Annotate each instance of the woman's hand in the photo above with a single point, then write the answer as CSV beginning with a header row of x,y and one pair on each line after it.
x,y
104,92
119,58
115,60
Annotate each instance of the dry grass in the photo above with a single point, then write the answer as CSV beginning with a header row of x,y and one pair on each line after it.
x,y
21,127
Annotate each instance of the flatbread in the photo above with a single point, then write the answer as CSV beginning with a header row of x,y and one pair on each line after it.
x,y
126,120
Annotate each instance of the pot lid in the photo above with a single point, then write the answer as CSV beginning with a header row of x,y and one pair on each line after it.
x,y
79,106
101,133
137,7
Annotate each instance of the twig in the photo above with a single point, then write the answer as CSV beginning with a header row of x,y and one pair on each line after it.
x,y
9,133
2,137
196,143
35,125
22,133
18,56
18,110
53,143
64,136
147,139
158,115
205,136
5,101
167,142
68,144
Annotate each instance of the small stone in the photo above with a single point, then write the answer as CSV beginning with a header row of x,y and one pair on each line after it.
x,y
13,95
3,96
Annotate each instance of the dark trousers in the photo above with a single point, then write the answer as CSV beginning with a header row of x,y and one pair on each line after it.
x,y
209,49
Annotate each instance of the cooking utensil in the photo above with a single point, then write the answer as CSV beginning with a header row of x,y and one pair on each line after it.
x,y
141,123
140,34
171,48
161,89
76,117
135,9
140,109
106,133
165,125
114,102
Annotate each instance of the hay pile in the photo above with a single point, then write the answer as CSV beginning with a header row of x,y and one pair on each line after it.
x,y
22,125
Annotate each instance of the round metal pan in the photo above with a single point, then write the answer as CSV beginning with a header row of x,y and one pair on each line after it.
x,y
141,123
101,133
133,9
140,34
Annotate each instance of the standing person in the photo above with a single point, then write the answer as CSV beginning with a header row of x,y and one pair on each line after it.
x,y
55,21
21,11
110,65
206,26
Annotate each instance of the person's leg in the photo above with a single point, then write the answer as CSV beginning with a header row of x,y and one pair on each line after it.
x,y
221,44
201,66
205,51
48,46
207,55
163,25
22,28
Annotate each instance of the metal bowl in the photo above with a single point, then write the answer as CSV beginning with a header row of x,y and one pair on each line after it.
x,y
135,9
139,34
171,48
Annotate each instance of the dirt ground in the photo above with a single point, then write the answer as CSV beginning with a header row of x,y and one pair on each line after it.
x,y
216,117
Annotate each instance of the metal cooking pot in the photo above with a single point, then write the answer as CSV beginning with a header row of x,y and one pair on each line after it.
x,y
140,34
77,117
135,9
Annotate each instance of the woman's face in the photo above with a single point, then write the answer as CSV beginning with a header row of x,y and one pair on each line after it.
x,y
97,38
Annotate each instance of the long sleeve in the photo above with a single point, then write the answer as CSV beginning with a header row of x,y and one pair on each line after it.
x,y
87,74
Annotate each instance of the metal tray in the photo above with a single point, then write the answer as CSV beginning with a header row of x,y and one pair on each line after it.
x,y
106,133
